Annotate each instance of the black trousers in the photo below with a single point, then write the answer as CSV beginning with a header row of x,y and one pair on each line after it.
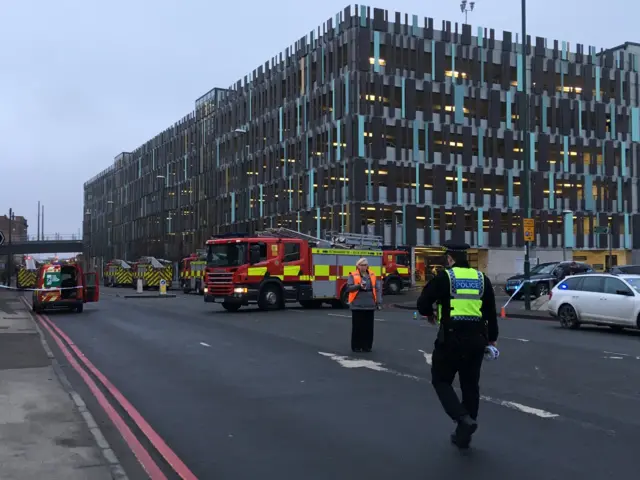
x,y
362,329
465,359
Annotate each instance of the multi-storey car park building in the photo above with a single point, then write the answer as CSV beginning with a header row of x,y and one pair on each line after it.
x,y
379,122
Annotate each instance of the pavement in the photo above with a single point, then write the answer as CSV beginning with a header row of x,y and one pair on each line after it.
x,y
514,308
278,395
44,433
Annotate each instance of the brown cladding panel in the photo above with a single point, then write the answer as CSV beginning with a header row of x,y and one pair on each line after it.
x,y
411,227
442,225
495,225
458,229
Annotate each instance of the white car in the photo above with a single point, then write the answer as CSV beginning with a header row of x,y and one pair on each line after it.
x,y
597,299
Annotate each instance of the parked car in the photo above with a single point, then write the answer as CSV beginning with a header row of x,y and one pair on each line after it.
x,y
544,276
597,299
625,269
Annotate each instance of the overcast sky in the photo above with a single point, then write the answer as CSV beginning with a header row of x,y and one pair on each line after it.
x,y
82,80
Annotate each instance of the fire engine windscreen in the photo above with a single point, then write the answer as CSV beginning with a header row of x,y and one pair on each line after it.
x,y
227,255
403,260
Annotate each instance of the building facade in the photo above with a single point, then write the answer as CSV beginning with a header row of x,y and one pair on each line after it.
x,y
18,226
382,123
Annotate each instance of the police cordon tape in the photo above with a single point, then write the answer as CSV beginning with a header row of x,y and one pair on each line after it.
x,y
502,309
40,289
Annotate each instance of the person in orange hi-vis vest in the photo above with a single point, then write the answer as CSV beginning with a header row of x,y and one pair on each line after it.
x,y
365,297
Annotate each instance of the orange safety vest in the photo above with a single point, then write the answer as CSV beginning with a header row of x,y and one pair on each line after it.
x,y
356,280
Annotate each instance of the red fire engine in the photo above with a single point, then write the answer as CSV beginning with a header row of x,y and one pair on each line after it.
x,y
280,266
397,264
192,272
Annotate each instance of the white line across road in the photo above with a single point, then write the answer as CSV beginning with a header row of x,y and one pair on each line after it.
x,y
352,363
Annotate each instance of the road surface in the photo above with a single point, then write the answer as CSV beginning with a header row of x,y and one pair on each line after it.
x,y
279,395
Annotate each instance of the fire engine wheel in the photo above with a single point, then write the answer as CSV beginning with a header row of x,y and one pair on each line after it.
x,y
344,300
270,298
394,286
230,307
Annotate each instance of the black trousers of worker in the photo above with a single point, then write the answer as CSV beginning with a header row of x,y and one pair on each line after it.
x,y
464,357
362,329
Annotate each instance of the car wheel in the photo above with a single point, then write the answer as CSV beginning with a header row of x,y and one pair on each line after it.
x,y
568,317
542,289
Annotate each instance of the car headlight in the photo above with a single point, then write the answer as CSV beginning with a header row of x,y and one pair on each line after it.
x,y
240,290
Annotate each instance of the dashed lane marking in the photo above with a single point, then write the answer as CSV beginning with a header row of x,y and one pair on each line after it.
x,y
352,363
204,344
427,356
523,340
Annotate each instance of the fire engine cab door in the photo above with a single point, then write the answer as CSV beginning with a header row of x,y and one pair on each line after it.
x,y
91,287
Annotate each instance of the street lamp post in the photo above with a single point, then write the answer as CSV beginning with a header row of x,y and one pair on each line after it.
x,y
526,157
464,9
397,214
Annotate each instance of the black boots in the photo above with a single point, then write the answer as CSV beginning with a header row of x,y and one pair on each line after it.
x,y
467,426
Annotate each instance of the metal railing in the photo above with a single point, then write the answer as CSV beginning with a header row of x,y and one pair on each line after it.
x,y
53,237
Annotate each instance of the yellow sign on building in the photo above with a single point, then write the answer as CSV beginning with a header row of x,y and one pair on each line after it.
x,y
529,229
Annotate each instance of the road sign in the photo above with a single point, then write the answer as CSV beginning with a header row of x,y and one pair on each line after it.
x,y
163,287
596,230
1,237
529,226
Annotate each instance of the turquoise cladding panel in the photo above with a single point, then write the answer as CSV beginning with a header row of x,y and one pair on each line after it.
x,y
318,218
635,124
363,15
597,73
280,123
532,150
290,195
588,189
520,73
507,96
627,234
217,153
552,191
580,117
369,181
509,188
261,200
458,114
250,99
480,147
565,154
620,204
286,161
233,207
414,25
453,57
623,160
480,229
416,142
311,188
569,240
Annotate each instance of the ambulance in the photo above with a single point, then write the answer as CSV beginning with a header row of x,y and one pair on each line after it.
x,y
64,286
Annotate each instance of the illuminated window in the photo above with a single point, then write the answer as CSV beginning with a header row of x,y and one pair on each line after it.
x,y
381,61
455,74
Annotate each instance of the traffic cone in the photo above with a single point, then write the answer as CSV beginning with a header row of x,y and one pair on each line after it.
x,y
503,314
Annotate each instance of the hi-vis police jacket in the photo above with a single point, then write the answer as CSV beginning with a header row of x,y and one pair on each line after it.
x,y
463,289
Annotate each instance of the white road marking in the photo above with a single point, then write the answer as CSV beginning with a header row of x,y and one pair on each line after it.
x,y
347,362
524,340
617,354
614,358
427,356
204,344
351,363
349,316
522,408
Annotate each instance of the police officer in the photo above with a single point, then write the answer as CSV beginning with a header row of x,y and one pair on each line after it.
x,y
466,311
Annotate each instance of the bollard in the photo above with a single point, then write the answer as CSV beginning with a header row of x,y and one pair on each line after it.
x,y
139,286
163,287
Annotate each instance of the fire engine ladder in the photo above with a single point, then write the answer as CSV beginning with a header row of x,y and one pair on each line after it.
x,y
356,240
288,233
337,240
